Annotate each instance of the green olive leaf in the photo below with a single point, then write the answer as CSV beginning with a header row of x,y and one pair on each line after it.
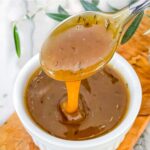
x,y
61,10
95,2
132,28
57,16
16,41
133,1
89,6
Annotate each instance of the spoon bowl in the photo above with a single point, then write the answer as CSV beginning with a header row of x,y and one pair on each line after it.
x,y
77,56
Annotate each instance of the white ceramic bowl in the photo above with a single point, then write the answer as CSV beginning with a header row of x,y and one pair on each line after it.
x,y
109,141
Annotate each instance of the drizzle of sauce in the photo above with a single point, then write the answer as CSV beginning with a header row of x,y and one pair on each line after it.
x,y
73,92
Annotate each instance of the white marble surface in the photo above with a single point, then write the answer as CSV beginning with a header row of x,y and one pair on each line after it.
x,y
32,33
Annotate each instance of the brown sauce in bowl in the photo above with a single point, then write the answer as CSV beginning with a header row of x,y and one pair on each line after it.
x,y
103,99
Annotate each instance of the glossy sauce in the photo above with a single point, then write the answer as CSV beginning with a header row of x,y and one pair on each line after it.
x,y
76,48
103,100
75,51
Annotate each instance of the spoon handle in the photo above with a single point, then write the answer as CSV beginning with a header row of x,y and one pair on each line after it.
x,y
139,6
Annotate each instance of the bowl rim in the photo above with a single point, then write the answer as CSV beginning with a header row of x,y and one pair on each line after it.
x,y
33,129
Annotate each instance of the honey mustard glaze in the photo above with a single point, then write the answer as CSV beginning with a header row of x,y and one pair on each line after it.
x,y
103,102
76,50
